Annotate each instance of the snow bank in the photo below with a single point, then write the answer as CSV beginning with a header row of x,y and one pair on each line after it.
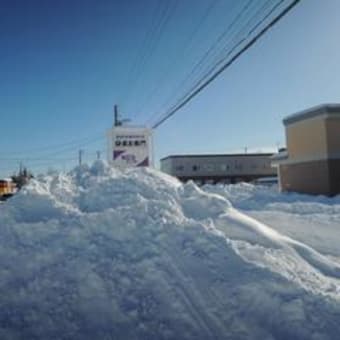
x,y
103,254
314,220
247,196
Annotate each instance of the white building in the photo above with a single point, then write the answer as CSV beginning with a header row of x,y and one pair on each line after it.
x,y
220,168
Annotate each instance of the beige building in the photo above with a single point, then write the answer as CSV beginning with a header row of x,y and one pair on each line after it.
x,y
311,163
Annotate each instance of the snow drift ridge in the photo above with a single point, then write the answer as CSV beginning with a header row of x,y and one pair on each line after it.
x,y
99,253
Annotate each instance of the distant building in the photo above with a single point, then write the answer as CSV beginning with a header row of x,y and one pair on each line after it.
x,y
311,163
224,168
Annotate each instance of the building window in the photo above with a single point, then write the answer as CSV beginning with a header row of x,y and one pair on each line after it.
x,y
195,167
179,167
225,167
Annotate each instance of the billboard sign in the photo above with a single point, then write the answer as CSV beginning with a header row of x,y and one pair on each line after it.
x,y
130,146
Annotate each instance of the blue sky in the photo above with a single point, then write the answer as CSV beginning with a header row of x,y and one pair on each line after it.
x,y
64,64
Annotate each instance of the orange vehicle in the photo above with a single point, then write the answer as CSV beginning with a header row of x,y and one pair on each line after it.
x,y
7,188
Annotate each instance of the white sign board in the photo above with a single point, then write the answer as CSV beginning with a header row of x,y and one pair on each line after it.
x,y
130,146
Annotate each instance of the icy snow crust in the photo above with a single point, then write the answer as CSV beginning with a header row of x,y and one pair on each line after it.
x,y
101,254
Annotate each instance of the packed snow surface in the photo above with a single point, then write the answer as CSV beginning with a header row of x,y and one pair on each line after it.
x,y
103,254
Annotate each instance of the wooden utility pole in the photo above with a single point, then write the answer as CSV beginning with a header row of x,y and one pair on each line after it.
x,y
117,122
80,156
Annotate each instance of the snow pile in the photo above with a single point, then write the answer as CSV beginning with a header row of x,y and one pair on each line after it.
x,y
101,254
250,197
311,219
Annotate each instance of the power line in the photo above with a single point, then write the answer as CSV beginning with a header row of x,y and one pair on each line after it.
x,y
156,35
138,57
49,160
219,39
75,147
47,148
227,64
164,76
209,52
199,78
35,159
37,164
234,41
237,44
249,33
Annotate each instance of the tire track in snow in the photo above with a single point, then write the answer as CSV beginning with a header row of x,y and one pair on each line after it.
x,y
192,297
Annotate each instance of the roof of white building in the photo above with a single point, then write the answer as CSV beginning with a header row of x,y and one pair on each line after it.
x,y
246,155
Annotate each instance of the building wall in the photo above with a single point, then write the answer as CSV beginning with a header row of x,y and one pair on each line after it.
x,y
167,166
333,137
313,145
334,176
308,177
307,140
219,168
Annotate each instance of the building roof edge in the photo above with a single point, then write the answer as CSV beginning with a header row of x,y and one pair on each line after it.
x,y
331,108
218,155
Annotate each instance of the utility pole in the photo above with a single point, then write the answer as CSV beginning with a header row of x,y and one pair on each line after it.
x,y
98,154
80,156
117,122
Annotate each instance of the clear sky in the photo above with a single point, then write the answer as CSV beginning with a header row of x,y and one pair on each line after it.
x,y
64,64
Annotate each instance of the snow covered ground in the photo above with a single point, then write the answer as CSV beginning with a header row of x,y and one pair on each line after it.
x,y
101,254
314,220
